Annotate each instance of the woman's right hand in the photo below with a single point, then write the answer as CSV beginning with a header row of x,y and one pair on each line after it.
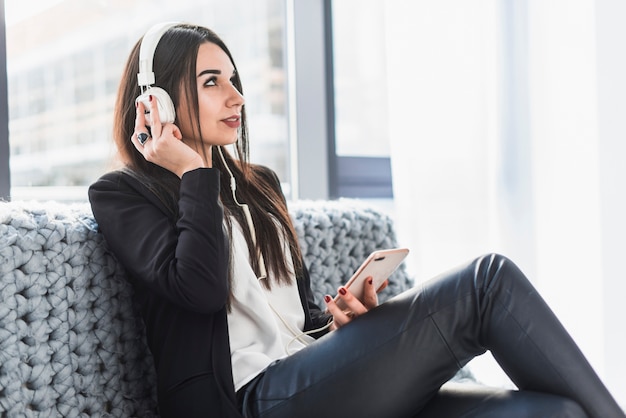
x,y
355,307
164,146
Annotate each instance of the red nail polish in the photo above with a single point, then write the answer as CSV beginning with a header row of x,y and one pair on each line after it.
x,y
370,281
342,291
327,298
150,97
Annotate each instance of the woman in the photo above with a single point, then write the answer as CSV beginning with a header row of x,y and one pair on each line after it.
x,y
231,320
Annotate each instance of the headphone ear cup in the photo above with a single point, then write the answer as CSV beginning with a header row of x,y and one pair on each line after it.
x,y
167,114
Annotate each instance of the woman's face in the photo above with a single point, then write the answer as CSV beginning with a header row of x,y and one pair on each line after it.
x,y
219,102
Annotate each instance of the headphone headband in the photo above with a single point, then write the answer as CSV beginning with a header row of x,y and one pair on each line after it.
x,y
145,77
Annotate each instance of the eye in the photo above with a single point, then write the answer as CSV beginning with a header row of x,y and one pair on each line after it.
x,y
210,82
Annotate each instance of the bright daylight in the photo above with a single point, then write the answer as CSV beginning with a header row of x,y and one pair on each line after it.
x,y
312,208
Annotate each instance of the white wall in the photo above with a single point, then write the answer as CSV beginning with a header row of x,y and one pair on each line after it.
x,y
611,74
566,176
440,64
559,211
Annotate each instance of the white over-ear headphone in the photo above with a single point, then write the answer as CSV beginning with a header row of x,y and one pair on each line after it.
x,y
145,77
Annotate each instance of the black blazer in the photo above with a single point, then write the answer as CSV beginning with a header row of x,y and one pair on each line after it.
x,y
179,272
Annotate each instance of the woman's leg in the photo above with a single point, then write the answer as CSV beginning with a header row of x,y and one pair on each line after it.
x,y
392,361
530,343
463,400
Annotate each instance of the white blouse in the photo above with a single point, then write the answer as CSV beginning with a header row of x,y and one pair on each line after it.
x,y
262,324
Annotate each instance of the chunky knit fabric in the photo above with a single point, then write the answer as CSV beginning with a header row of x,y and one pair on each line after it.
x,y
337,236
71,344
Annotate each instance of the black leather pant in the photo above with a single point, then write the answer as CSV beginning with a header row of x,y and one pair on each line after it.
x,y
392,361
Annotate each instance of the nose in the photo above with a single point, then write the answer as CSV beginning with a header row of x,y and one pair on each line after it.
x,y
236,98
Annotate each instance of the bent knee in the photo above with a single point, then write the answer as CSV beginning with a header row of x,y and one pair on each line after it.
x,y
497,269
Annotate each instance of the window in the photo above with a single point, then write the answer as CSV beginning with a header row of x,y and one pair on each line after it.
x,y
339,115
360,78
363,166
63,78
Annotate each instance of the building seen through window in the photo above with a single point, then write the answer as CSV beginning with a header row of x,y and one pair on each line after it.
x,y
64,63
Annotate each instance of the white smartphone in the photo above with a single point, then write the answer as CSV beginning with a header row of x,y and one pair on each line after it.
x,y
379,265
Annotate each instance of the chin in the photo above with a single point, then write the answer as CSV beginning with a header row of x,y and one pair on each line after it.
x,y
221,142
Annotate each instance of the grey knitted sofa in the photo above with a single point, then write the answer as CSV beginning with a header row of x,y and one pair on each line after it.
x,y
71,344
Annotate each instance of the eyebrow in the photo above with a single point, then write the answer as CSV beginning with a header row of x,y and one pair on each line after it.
x,y
209,72
213,72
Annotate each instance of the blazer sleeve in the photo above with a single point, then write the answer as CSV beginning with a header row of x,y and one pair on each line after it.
x,y
316,318
183,260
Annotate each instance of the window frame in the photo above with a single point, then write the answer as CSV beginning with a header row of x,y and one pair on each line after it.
x,y
5,172
317,172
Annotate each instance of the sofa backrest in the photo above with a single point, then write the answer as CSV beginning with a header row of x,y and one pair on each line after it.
x,y
71,343
336,236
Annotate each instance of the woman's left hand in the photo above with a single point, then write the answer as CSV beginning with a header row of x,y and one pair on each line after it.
x,y
164,146
355,307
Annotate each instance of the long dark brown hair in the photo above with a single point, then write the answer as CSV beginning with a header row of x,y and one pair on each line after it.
x,y
175,69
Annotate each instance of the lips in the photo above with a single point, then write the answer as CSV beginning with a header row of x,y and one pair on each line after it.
x,y
233,121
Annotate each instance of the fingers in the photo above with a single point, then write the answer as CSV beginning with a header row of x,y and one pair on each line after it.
x,y
370,298
143,137
140,117
141,134
175,132
162,144
340,318
145,129
354,307
382,286
155,120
